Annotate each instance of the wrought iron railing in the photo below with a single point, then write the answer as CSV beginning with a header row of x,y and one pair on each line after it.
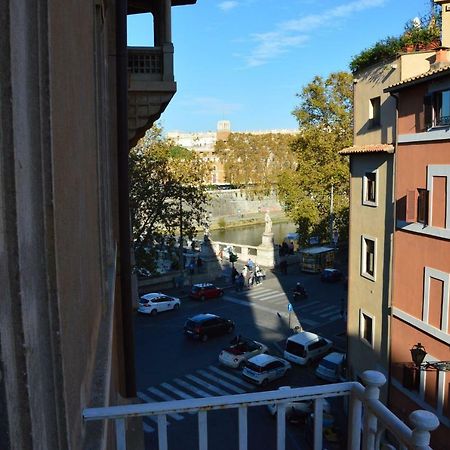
x,y
442,121
365,431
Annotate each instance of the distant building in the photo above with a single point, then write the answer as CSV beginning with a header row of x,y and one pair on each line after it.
x,y
203,143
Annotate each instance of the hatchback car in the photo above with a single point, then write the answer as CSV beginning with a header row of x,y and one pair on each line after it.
x,y
156,302
331,275
299,408
240,351
332,367
202,291
204,326
264,368
301,348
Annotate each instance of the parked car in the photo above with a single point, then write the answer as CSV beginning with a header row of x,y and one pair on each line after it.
x,y
156,302
303,347
331,275
204,326
202,291
262,369
299,409
240,351
332,367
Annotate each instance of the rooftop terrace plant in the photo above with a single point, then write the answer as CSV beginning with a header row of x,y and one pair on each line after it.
x,y
419,34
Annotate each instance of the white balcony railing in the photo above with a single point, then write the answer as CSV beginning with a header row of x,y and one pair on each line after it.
x,y
365,431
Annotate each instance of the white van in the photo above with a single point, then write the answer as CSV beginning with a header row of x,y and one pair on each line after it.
x,y
305,346
332,367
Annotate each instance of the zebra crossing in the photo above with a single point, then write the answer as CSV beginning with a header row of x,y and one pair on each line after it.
x,y
207,382
259,297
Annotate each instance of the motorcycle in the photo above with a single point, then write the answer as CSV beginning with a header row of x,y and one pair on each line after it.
x,y
300,294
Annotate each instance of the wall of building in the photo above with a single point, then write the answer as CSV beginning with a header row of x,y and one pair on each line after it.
x,y
369,296
369,84
58,220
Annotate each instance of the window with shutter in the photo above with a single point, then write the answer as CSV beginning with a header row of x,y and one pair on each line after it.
x,y
422,206
428,110
411,206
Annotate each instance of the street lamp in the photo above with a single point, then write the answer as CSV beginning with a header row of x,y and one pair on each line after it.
x,y
418,354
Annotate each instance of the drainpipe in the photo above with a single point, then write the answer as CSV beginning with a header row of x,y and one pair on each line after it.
x,y
123,195
394,218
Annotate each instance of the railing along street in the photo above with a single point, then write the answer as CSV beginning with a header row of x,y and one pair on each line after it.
x,y
365,430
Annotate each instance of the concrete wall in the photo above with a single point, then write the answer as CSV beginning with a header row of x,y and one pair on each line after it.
x,y
236,203
370,296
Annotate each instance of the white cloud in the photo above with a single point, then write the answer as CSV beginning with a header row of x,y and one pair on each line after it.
x,y
227,5
296,32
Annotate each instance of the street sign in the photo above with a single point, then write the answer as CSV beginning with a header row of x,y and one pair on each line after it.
x,y
290,307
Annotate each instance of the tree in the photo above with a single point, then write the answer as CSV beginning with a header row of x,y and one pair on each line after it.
x,y
324,116
167,194
255,160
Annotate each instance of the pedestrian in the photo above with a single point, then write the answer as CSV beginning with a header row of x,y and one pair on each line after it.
x,y
258,274
250,264
191,266
240,283
234,274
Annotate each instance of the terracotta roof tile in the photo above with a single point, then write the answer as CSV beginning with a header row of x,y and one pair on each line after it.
x,y
369,148
431,73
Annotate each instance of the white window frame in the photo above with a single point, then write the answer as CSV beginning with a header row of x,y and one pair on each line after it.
x,y
365,190
364,272
363,313
436,170
372,115
445,278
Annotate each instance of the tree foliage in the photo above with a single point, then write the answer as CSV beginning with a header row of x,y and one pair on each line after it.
x,y
324,116
255,160
166,193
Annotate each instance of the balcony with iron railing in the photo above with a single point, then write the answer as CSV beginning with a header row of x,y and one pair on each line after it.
x,y
370,424
151,86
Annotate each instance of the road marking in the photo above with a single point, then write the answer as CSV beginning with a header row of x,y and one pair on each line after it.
x,y
231,377
176,391
283,301
326,308
285,315
206,385
166,397
265,297
222,382
189,386
329,313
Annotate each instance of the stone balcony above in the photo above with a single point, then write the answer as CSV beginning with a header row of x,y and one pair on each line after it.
x,y
151,86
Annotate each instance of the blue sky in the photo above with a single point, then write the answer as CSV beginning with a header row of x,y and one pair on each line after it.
x,y
245,60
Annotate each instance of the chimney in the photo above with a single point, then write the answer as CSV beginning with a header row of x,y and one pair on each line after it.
x,y
441,59
445,37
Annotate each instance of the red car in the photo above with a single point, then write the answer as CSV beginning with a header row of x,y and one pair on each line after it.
x,y
202,291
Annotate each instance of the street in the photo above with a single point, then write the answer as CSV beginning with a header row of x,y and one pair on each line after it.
x,y
169,366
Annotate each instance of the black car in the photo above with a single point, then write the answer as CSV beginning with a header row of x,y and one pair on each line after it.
x,y
331,275
204,326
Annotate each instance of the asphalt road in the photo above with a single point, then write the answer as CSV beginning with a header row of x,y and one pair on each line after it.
x,y
170,366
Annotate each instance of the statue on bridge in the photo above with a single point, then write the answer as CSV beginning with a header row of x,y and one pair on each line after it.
x,y
268,222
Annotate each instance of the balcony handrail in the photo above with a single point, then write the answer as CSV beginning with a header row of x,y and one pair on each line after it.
x,y
370,425
222,402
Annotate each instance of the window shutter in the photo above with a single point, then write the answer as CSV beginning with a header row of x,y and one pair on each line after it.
x,y
411,206
428,110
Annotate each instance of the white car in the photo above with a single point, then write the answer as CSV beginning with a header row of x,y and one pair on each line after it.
x,y
155,303
264,368
303,347
299,408
332,367
240,351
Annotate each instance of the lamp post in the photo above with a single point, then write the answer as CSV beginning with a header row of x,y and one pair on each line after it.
x,y
418,354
